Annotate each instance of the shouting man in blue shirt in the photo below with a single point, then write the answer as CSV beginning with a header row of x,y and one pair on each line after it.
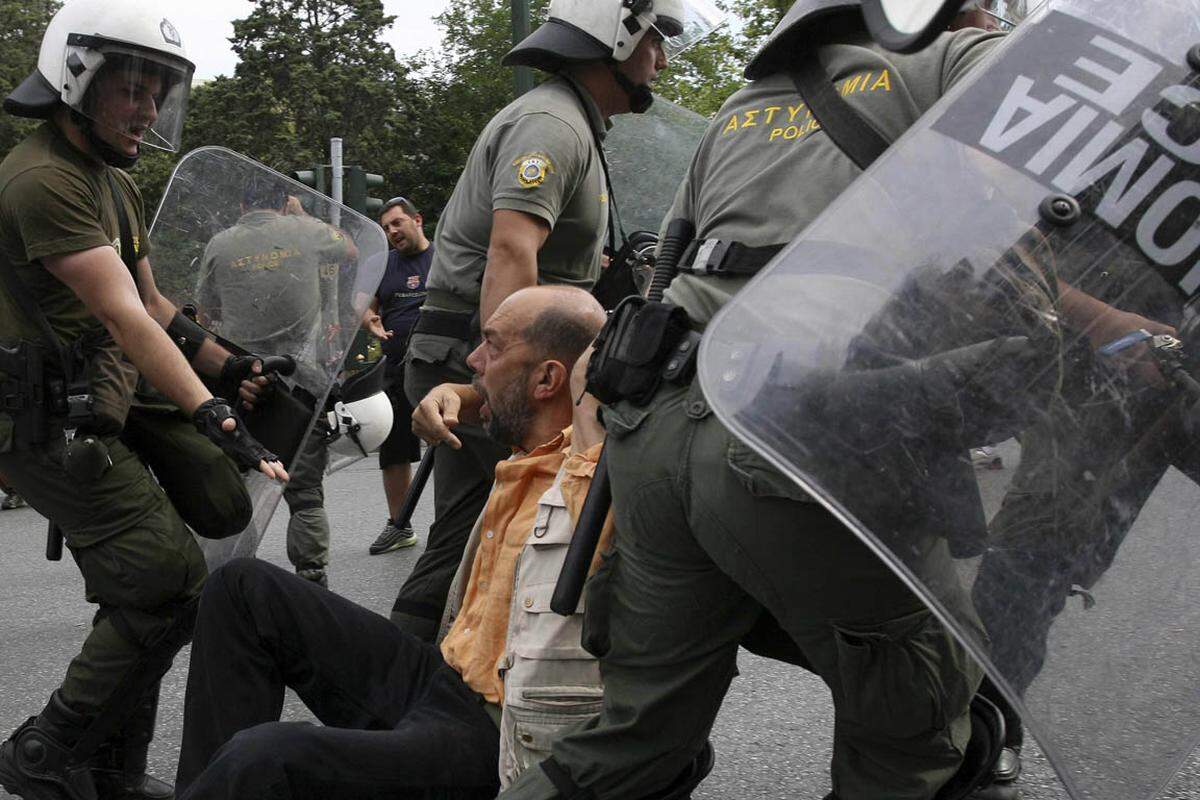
x,y
391,317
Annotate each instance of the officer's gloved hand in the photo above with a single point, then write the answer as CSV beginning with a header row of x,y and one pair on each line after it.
x,y
988,391
238,368
216,420
249,376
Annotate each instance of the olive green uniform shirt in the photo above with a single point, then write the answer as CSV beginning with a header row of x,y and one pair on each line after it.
x,y
54,200
538,155
764,169
270,281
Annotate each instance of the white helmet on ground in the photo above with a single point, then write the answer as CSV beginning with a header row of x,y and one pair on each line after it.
x,y
361,418
85,39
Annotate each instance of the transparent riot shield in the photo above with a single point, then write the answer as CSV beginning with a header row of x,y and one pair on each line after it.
x,y
648,155
975,289
275,269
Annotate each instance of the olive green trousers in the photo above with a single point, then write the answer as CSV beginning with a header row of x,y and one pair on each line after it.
x,y
708,537
139,562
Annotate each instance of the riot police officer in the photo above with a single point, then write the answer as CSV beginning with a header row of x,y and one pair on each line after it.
x,y
80,317
531,206
710,536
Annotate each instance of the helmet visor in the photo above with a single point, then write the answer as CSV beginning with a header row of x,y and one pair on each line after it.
x,y
682,23
1008,13
140,96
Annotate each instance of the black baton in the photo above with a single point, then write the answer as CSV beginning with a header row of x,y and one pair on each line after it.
x,y
583,544
424,470
54,542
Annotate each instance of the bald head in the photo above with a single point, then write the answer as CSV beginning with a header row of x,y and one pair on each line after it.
x,y
523,365
558,321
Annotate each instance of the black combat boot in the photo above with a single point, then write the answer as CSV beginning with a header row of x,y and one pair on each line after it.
x,y
119,767
35,762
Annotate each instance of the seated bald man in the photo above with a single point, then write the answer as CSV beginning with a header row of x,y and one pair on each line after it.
x,y
404,718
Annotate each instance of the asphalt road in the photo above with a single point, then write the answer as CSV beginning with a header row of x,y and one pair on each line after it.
x,y
773,737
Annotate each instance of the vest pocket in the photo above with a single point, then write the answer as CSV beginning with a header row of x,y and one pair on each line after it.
x,y
535,717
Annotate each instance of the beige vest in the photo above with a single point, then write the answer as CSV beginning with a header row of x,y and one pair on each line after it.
x,y
550,682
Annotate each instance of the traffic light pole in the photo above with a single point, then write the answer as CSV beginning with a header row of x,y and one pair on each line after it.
x,y
520,23
335,161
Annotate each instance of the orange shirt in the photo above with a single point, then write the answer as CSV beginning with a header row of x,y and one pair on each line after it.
x,y
475,643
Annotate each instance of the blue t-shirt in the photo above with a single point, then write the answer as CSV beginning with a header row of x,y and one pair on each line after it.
x,y
400,294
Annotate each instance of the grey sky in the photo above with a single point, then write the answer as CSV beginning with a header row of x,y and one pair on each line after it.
x,y
207,25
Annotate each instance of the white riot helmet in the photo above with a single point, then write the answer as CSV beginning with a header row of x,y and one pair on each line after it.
x,y
793,30
610,30
90,39
361,418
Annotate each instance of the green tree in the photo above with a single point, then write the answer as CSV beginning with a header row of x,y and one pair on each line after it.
x,y
22,23
464,89
308,70
707,73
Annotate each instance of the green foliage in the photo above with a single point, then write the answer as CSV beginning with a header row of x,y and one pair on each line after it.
x,y
312,69
21,25
465,88
309,70
708,72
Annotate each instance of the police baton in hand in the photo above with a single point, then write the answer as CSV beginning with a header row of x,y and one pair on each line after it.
x,y
424,470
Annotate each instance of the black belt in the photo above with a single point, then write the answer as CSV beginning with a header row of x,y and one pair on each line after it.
x,y
718,257
454,324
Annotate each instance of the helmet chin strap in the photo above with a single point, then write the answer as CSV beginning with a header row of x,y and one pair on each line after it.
x,y
108,154
639,94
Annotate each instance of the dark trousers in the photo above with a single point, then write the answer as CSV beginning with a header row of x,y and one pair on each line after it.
x,y
398,722
139,563
462,480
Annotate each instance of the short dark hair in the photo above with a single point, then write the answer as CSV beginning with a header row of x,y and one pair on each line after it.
x,y
403,203
560,335
263,191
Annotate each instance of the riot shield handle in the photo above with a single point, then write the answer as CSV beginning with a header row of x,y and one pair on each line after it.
x,y
278,365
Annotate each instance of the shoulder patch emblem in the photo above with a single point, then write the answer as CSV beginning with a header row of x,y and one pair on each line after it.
x,y
532,170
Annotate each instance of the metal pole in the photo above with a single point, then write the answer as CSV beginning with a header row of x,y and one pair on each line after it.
x,y
523,79
335,169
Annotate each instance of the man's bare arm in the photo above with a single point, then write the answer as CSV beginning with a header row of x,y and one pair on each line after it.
x,y
211,356
512,257
99,278
585,424
1102,323
105,286
442,410
372,322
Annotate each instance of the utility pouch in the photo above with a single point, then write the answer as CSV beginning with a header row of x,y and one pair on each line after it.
x,y
109,381
632,349
24,393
